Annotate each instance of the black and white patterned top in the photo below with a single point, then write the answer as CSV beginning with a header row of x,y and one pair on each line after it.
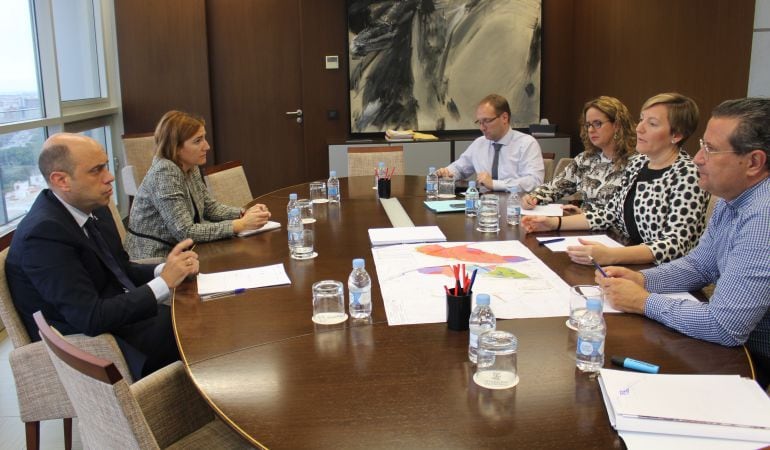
x,y
594,176
669,211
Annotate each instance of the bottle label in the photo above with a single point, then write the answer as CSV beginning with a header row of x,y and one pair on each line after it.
x,y
590,348
474,340
430,187
332,190
470,203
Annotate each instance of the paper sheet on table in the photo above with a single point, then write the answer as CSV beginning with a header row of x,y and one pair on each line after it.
x,y
403,235
412,279
210,283
270,225
561,246
713,406
645,441
554,209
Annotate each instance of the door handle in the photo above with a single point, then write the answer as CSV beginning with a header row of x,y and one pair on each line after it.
x,y
298,113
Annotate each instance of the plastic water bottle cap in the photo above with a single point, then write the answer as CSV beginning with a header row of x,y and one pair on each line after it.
x,y
292,196
332,173
594,304
358,263
471,184
381,164
482,299
431,169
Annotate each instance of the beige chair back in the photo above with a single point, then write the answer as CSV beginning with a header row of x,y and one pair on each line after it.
x,y
710,208
109,416
16,329
548,166
118,220
363,161
139,150
228,184
561,165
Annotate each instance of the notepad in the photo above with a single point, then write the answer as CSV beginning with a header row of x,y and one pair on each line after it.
x,y
715,406
445,206
569,241
270,225
552,210
405,235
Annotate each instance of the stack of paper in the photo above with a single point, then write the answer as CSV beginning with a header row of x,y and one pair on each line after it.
x,y
405,235
718,407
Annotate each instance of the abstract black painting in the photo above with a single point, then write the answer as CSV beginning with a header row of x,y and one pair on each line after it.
x,y
425,64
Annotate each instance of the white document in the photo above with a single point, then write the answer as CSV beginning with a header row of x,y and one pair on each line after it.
x,y
645,441
405,235
712,406
554,209
270,225
569,241
210,283
412,278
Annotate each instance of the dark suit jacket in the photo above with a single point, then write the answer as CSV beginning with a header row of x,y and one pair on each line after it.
x,y
55,268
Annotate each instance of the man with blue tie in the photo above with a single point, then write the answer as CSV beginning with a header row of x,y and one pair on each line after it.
x,y
66,260
502,157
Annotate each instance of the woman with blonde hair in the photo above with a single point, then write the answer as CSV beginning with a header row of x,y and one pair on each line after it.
x,y
609,139
173,203
659,208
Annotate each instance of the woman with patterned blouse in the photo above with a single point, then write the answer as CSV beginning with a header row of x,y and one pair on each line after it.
x,y
607,132
173,203
659,207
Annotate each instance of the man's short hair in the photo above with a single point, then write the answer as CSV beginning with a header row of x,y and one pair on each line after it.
x,y
498,102
55,158
753,130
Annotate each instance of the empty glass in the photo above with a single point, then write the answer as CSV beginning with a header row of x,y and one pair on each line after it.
x,y
304,249
496,367
488,217
318,192
446,187
328,302
578,298
305,210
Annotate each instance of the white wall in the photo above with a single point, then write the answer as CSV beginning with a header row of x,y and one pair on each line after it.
x,y
759,74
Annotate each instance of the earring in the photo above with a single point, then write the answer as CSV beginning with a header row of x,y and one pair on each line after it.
x,y
616,136
673,141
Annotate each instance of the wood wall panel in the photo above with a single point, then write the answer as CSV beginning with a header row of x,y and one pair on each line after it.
x,y
163,60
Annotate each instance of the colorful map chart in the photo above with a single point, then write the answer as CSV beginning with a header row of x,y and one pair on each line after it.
x,y
412,278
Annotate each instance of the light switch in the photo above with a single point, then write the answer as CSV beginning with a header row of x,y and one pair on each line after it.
x,y
332,62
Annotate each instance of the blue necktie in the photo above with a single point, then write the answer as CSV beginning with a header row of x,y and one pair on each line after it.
x,y
496,159
107,258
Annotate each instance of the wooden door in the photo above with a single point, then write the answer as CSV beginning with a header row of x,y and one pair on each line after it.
x,y
256,77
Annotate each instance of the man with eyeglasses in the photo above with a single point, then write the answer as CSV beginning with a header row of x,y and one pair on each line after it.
x,y
503,157
734,164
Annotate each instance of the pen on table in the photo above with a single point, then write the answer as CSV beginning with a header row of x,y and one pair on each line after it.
x,y
551,241
635,364
598,267
222,294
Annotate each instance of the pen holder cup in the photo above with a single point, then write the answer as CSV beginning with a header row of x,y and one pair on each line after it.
x,y
383,187
458,311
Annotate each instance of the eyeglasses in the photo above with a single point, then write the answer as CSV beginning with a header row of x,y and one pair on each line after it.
x,y
708,151
486,122
596,124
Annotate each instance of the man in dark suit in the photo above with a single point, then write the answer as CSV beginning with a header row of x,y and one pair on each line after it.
x,y
66,260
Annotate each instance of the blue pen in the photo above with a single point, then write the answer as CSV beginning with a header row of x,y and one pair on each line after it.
x,y
598,267
473,278
551,241
222,294
634,364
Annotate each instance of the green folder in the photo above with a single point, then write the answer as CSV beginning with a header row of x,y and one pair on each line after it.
x,y
445,206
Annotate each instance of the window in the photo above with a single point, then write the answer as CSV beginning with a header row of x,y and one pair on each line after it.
x,y
59,70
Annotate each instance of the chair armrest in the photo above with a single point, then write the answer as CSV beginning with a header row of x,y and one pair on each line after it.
x,y
171,404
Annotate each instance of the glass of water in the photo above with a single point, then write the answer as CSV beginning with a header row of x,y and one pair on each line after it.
x,y
496,367
578,299
305,246
328,302
318,192
446,187
488,217
305,210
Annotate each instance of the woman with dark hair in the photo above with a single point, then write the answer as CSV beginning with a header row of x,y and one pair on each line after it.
x,y
173,203
609,139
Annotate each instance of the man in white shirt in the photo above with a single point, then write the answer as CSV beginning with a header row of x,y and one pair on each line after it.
x,y
503,157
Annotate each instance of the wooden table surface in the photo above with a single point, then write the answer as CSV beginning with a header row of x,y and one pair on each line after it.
x,y
284,382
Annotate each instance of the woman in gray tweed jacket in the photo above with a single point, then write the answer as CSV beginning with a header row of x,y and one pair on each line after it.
x,y
173,203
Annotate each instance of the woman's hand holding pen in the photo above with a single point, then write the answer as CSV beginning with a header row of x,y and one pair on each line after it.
x,y
253,218
528,201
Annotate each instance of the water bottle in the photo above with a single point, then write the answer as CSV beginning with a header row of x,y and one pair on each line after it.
x,y
431,184
333,187
590,339
294,226
292,202
360,291
482,320
471,199
514,206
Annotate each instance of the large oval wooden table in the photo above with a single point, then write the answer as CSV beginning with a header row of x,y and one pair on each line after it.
x,y
284,382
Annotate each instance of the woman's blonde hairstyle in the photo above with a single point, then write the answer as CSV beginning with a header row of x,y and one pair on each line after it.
x,y
174,128
625,135
682,113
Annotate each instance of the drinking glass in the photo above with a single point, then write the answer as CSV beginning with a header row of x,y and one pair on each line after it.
x,y
578,298
305,210
446,187
496,367
328,302
306,245
318,192
488,217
